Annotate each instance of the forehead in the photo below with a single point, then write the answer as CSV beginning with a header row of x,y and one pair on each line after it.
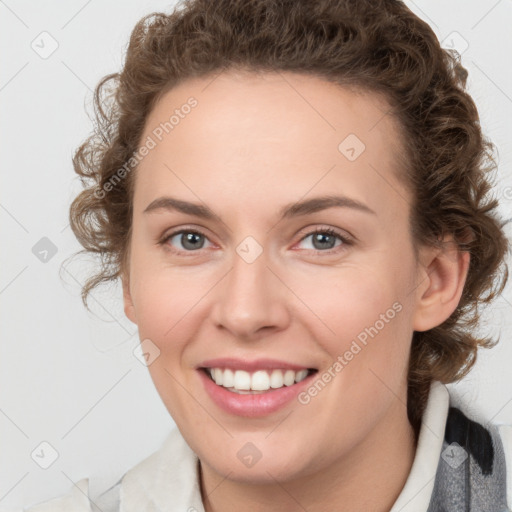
x,y
268,136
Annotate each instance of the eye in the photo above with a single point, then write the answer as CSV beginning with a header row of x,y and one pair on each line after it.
x,y
324,240
190,240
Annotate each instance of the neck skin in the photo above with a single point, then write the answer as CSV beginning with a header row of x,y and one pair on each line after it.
x,y
370,477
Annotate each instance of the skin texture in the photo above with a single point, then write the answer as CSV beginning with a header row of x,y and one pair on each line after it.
x,y
251,145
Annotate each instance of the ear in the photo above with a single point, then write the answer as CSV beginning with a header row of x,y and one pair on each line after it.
x,y
129,309
442,276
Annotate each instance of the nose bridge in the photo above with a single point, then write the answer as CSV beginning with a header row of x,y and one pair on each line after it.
x,y
250,297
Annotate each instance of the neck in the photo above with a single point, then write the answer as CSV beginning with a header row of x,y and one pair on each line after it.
x,y
371,477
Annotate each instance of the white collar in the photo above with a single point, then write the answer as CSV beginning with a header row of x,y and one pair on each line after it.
x,y
417,491
168,480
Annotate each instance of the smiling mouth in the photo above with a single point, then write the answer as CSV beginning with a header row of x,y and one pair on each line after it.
x,y
259,381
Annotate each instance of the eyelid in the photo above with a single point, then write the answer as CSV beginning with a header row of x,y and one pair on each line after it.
x,y
342,234
346,238
184,229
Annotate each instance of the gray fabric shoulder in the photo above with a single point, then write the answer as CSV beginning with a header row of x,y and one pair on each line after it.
x,y
471,474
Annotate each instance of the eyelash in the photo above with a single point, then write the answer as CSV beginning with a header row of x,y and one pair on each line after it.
x,y
326,231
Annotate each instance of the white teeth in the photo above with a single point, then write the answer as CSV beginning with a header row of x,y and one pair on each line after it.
x,y
289,377
242,380
217,376
228,379
301,375
259,381
276,379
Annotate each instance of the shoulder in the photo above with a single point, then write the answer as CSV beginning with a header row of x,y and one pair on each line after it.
x,y
475,465
76,500
169,473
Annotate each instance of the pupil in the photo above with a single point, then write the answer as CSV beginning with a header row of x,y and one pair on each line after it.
x,y
321,238
189,239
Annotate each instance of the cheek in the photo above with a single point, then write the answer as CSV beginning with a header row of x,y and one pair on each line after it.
x,y
346,302
362,317
164,297
168,304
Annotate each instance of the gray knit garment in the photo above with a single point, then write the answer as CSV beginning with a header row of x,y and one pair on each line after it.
x,y
471,471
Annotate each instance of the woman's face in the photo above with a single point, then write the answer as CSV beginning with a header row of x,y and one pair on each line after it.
x,y
234,271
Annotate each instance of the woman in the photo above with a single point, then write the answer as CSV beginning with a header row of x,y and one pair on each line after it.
x,y
295,196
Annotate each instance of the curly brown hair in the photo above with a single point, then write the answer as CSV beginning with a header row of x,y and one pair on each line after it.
x,y
378,46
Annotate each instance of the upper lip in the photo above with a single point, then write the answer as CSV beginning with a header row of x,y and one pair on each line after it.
x,y
247,365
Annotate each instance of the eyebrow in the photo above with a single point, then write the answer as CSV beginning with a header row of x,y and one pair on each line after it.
x,y
304,207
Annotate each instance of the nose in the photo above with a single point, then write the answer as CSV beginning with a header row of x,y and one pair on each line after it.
x,y
251,301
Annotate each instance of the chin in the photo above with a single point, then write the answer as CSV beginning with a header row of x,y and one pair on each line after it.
x,y
263,471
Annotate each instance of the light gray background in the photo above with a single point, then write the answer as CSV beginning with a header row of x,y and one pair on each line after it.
x,y
70,378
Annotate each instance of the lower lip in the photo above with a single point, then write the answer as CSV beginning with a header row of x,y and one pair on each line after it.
x,y
252,405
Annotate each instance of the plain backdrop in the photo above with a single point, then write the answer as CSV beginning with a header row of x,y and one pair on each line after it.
x,y
69,378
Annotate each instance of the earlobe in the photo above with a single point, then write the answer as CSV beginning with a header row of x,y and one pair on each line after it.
x,y
129,309
443,277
